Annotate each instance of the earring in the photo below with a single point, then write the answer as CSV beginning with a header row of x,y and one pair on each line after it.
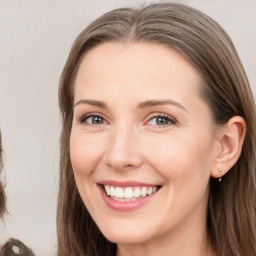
x,y
220,172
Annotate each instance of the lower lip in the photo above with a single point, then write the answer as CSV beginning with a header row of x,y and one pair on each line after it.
x,y
125,206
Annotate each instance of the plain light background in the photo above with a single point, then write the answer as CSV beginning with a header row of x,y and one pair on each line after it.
x,y
35,39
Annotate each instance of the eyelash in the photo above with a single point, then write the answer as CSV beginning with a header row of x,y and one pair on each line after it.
x,y
83,119
169,119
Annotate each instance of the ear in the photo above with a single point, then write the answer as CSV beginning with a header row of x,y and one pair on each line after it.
x,y
230,142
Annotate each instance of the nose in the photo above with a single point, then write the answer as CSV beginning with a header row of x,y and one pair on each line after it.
x,y
123,150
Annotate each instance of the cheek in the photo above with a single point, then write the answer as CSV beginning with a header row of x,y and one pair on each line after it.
x,y
85,153
181,157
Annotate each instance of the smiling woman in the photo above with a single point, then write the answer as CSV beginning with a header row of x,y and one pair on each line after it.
x,y
156,111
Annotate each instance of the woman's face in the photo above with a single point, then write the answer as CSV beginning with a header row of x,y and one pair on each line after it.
x,y
142,142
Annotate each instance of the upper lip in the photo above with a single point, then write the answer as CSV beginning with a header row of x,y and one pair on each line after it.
x,y
125,183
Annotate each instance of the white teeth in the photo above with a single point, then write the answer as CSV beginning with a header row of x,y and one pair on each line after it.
x,y
123,199
136,192
119,192
108,190
144,191
128,194
150,190
112,191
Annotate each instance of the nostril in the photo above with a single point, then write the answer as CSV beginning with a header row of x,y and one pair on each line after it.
x,y
119,162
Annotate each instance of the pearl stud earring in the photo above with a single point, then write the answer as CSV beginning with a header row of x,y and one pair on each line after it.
x,y
220,172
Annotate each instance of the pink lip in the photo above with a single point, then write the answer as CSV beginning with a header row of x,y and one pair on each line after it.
x,y
125,206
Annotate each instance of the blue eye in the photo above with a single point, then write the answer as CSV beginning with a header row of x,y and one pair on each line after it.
x,y
92,119
161,120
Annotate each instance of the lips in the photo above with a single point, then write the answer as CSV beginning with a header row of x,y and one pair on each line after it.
x,y
127,196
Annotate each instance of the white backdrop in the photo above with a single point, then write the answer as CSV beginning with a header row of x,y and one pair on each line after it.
x,y
35,38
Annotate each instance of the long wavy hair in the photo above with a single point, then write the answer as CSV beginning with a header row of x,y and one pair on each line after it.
x,y
231,215
2,185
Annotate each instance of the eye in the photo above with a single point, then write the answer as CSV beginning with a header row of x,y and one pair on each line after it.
x,y
161,120
93,120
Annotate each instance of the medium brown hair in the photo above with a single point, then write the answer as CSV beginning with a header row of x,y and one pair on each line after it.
x,y
231,216
2,186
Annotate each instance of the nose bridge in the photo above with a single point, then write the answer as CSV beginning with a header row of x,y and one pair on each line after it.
x,y
123,148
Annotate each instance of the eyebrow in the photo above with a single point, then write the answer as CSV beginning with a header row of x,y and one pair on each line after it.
x,y
144,104
96,103
152,103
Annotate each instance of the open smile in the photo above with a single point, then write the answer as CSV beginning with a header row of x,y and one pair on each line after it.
x,y
126,194
127,197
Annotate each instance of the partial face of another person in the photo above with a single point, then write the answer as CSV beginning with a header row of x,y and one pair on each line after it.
x,y
142,142
2,193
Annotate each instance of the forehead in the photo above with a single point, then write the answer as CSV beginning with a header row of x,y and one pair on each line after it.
x,y
134,53
143,67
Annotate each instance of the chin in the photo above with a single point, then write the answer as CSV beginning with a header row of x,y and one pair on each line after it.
x,y
126,237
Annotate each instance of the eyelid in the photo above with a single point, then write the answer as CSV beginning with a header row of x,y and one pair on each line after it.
x,y
148,118
82,120
164,115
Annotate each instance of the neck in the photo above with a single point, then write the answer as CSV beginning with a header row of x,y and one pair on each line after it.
x,y
173,248
189,241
